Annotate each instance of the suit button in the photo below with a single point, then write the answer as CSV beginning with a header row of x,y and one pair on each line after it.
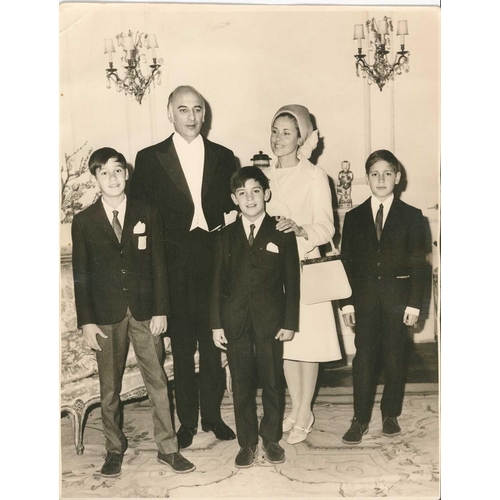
x,y
121,252
125,289
123,271
379,264
379,278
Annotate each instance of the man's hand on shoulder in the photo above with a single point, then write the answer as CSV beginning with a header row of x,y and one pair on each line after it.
x,y
90,333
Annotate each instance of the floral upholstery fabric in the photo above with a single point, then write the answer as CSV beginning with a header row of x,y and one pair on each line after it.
x,y
78,361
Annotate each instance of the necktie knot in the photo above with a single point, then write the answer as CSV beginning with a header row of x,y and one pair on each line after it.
x,y
251,236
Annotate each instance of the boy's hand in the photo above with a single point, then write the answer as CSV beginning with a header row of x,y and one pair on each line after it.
x,y
158,325
409,319
90,333
219,338
349,319
285,335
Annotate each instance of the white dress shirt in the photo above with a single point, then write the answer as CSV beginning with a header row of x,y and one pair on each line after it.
x,y
120,208
192,158
247,223
375,203
387,206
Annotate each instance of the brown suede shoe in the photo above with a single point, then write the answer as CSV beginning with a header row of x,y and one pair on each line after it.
x,y
176,462
113,465
275,454
245,457
355,433
390,427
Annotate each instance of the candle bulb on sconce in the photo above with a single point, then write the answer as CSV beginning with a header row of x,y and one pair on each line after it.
x,y
109,48
359,34
381,70
134,83
152,44
402,30
382,27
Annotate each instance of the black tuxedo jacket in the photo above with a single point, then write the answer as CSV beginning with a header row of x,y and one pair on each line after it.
x,y
254,280
111,276
391,271
158,178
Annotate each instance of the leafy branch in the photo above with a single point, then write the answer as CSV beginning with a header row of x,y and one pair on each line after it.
x,y
72,186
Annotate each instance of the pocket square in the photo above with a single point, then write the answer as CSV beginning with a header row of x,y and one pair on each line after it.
x,y
402,277
271,247
140,228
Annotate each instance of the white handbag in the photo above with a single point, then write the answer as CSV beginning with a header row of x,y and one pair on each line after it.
x,y
323,279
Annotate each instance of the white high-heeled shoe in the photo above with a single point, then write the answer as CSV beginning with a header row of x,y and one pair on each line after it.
x,y
299,434
288,424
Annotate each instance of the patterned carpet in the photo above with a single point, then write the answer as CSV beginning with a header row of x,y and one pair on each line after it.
x,y
321,467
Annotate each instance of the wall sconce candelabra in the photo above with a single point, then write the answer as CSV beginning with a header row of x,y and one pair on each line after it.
x,y
381,70
134,82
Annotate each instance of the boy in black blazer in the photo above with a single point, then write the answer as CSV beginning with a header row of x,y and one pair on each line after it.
x,y
383,248
254,308
120,281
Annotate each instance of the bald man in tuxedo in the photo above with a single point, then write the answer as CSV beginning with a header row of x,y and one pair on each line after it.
x,y
187,177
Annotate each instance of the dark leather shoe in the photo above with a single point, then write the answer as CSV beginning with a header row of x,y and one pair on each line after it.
x,y
275,454
220,429
113,465
185,436
390,427
355,433
176,462
245,457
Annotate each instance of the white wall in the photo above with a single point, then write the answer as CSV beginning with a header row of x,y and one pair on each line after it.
x,y
247,62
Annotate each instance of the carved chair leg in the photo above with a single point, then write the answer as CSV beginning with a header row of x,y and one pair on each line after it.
x,y
77,412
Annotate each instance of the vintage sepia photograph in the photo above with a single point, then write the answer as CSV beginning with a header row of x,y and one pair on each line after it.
x,y
250,250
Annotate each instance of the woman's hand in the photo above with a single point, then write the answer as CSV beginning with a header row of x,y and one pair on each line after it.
x,y
289,226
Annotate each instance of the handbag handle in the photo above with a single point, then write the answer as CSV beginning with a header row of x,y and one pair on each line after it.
x,y
317,260
332,253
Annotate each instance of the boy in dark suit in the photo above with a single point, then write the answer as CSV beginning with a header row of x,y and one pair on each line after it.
x,y
383,248
254,308
121,296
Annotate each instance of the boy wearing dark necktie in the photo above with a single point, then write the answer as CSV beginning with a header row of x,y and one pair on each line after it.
x,y
383,248
254,309
120,281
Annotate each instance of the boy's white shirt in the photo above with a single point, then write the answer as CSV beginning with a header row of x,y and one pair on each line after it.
x,y
375,204
257,223
122,207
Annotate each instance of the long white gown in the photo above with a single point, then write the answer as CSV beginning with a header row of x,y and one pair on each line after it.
x,y
302,193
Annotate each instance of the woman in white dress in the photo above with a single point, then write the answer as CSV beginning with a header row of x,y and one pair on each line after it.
x,y
301,201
